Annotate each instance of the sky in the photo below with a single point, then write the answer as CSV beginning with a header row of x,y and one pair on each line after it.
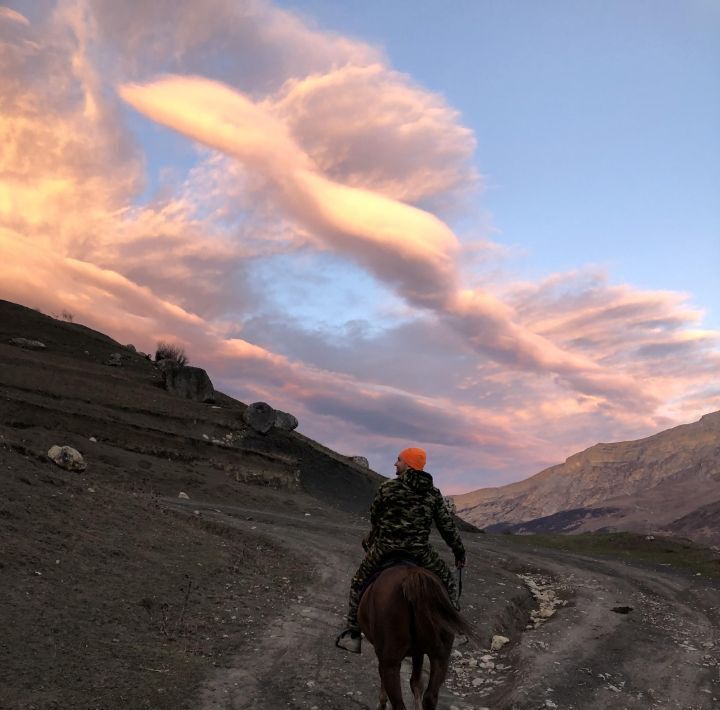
x,y
490,229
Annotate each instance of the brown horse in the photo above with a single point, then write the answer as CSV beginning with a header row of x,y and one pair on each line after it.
x,y
405,612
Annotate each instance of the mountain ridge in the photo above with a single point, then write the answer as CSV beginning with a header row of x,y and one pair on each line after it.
x,y
643,485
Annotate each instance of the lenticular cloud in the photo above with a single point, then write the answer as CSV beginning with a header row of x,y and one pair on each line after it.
x,y
403,245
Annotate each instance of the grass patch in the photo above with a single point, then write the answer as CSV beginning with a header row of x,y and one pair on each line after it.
x,y
631,547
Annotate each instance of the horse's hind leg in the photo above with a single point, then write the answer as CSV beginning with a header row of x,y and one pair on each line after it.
x,y
382,701
416,680
438,671
390,677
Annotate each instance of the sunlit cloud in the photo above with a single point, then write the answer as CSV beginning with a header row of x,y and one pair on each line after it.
x,y
12,16
403,245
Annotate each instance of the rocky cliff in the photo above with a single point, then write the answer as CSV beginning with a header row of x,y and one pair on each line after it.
x,y
643,485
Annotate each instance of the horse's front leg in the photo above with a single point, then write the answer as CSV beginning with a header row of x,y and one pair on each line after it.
x,y
416,684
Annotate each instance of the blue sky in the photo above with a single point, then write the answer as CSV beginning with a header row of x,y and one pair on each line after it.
x,y
598,125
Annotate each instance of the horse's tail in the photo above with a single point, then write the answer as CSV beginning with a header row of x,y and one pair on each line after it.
x,y
432,608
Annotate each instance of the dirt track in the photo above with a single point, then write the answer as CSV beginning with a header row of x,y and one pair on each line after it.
x,y
661,654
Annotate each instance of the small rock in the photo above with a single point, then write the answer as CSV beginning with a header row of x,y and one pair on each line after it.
x,y
28,344
183,495
66,457
360,461
93,439
498,642
115,360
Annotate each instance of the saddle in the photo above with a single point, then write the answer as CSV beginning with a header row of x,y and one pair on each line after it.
x,y
392,559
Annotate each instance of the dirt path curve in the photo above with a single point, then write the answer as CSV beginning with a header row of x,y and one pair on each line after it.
x,y
662,654
294,663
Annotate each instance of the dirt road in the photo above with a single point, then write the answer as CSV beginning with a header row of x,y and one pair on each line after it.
x,y
658,650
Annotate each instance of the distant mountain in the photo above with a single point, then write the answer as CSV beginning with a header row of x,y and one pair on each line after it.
x,y
668,482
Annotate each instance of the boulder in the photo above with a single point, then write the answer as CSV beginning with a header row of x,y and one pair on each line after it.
x,y
188,382
285,421
66,457
115,360
131,348
27,344
360,461
166,365
260,417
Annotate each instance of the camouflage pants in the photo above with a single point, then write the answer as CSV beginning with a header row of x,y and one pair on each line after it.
x,y
426,557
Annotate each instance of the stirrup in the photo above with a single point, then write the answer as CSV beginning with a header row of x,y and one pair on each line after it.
x,y
349,640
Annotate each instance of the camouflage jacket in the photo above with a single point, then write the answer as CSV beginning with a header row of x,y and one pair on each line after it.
x,y
404,510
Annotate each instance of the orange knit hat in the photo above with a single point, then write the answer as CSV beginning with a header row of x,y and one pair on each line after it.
x,y
415,458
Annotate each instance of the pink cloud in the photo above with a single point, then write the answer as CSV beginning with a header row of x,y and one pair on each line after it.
x,y
370,127
254,45
9,15
403,245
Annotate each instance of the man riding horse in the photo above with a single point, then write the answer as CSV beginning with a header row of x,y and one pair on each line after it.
x,y
401,516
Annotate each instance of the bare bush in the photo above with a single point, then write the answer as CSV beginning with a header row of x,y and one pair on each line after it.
x,y
170,351
67,315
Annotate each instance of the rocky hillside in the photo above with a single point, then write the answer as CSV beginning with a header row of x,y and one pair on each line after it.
x,y
669,481
138,600
140,590
109,402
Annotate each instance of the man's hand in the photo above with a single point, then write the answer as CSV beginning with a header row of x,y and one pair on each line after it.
x,y
460,563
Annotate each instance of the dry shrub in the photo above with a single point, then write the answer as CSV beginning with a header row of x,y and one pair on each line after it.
x,y
170,351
